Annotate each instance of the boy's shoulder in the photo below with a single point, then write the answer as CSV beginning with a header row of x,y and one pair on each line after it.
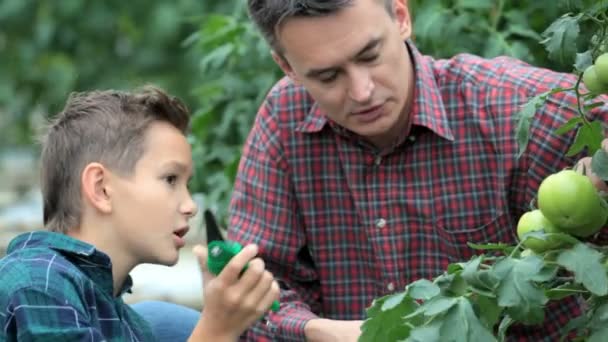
x,y
42,260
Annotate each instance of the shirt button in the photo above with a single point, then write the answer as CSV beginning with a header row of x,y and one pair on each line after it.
x,y
380,223
411,138
378,160
390,286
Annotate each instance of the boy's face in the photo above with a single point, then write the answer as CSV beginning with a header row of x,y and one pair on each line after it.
x,y
152,206
355,64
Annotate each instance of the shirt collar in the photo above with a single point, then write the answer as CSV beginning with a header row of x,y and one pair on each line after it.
x,y
77,248
427,110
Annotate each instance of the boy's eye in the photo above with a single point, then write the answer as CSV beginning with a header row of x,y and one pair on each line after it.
x,y
171,179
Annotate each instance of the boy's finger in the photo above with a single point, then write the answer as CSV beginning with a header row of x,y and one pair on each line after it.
x,y
201,254
230,274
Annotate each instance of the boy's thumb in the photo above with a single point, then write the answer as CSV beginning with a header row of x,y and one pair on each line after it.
x,y
201,254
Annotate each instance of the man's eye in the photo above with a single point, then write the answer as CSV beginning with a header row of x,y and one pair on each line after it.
x,y
369,58
328,77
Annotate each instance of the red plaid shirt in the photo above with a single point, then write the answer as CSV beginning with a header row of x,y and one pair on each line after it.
x,y
339,224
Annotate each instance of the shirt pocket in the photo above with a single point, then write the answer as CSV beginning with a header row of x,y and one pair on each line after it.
x,y
455,234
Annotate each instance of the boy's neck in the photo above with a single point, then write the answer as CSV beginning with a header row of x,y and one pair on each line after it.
x,y
103,241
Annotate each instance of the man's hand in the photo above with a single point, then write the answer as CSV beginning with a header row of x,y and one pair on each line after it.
x,y
332,330
584,166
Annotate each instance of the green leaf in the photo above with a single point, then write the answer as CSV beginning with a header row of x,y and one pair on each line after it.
x,y
524,119
489,311
561,39
589,136
506,248
599,324
426,333
572,123
574,324
385,322
518,292
583,60
437,305
422,289
481,281
462,324
505,323
586,265
599,164
565,290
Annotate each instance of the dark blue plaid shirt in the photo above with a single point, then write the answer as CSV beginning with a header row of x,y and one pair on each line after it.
x,y
56,288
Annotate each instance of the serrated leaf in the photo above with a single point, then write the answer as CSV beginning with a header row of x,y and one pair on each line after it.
x,y
422,289
574,324
437,305
589,136
385,323
489,311
462,324
586,265
505,323
599,164
561,39
482,281
393,300
572,123
426,333
524,119
506,248
517,291
564,291
583,61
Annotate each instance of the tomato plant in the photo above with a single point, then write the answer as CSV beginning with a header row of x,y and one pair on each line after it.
x,y
481,298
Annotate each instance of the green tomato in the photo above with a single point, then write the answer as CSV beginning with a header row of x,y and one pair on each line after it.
x,y
535,221
601,68
570,201
592,81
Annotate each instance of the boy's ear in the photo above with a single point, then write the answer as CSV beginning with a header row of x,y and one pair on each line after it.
x,y
95,188
284,65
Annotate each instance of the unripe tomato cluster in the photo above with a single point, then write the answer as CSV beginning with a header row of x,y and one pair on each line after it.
x,y
595,77
567,203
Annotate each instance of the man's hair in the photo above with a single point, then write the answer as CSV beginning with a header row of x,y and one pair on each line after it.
x,y
269,15
108,127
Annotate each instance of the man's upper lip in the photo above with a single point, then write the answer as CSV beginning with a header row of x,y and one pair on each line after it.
x,y
368,109
181,231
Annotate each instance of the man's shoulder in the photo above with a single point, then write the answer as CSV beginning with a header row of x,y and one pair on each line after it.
x,y
503,72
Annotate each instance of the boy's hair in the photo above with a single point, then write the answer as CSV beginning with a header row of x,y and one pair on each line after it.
x,y
108,127
268,15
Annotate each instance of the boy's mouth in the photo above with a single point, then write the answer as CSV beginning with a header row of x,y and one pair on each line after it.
x,y
181,232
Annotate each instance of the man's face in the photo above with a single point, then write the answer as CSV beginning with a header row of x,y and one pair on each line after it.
x,y
151,207
355,64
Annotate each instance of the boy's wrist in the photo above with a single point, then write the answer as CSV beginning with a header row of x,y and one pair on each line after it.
x,y
204,331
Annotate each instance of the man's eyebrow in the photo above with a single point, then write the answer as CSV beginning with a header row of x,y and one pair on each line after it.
x,y
370,45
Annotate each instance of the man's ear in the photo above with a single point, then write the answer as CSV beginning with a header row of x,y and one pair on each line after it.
x,y
95,187
284,65
403,18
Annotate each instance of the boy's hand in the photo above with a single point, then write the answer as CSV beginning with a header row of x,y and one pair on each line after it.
x,y
232,304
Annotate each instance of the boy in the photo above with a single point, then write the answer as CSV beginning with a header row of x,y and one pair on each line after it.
x,y
115,168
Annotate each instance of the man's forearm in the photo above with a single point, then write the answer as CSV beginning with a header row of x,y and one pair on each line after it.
x,y
321,329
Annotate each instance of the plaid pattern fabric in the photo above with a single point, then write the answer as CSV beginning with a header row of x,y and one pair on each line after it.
x,y
339,224
56,288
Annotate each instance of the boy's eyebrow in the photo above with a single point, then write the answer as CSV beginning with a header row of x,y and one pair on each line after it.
x,y
178,166
370,45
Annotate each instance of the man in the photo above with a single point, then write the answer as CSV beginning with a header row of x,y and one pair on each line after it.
x,y
371,165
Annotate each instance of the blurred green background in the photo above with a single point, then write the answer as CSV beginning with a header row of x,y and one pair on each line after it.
x,y
208,53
